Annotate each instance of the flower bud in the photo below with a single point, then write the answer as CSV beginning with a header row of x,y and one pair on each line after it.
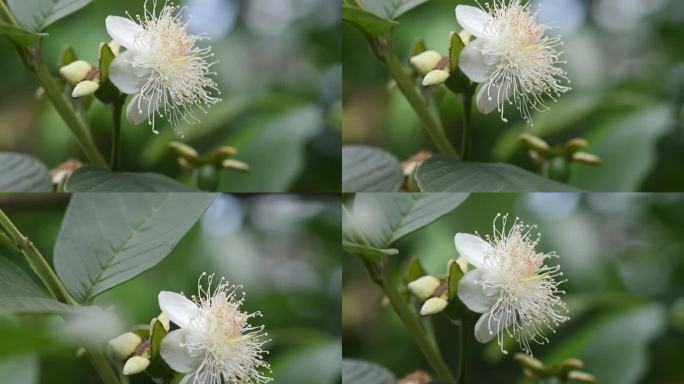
x,y
424,287
124,345
581,377
435,77
574,145
135,364
235,165
572,364
529,362
462,263
115,47
535,143
163,319
85,88
76,71
223,153
465,36
185,151
586,158
426,61
433,306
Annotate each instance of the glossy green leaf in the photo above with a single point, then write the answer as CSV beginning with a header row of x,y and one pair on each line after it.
x,y
95,179
384,218
391,9
109,238
18,35
363,372
368,22
367,252
23,173
368,169
444,174
36,15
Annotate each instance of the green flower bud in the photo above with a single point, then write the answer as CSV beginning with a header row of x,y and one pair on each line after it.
x,y
76,71
433,306
236,165
556,168
135,364
185,151
581,377
206,177
426,61
424,287
586,158
574,145
535,143
435,77
124,345
85,88
529,362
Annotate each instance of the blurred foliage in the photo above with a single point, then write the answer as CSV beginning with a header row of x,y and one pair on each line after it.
x,y
622,255
625,61
284,250
274,58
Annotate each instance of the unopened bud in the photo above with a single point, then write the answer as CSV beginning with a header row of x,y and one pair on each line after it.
x,y
435,77
40,93
462,263
426,61
76,71
115,47
85,88
433,306
529,362
586,158
124,345
185,151
424,287
535,157
465,37
135,364
574,145
224,152
581,377
235,165
163,319
572,364
534,142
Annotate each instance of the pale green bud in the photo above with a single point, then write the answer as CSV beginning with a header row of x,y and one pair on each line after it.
x,y
433,306
124,345
85,88
435,77
184,150
534,142
76,71
586,158
424,287
235,165
135,364
163,319
581,377
529,362
426,61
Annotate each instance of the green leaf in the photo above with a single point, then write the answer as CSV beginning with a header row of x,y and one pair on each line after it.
x,y
319,363
276,155
391,9
109,238
384,218
36,15
20,369
414,270
366,21
628,148
453,277
444,174
364,372
91,178
18,35
158,334
368,169
367,252
23,173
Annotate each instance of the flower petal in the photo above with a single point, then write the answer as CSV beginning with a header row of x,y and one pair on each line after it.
x,y
140,108
490,96
472,248
124,75
122,30
472,62
187,379
472,19
483,325
176,352
178,308
473,294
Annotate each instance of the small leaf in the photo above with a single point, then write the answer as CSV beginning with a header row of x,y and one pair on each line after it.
x,y
19,35
414,270
95,179
23,173
36,15
444,174
369,253
367,22
156,337
109,238
418,47
453,277
368,169
364,372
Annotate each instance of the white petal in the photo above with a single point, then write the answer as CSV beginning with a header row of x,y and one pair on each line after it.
x,y
139,109
187,379
483,325
472,19
178,308
472,248
473,295
124,75
175,352
122,30
472,62
489,97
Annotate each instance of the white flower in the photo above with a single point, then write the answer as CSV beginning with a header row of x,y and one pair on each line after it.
x,y
215,343
162,67
512,56
511,286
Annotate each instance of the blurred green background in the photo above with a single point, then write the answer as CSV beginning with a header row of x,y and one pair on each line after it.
x,y
626,63
284,249
280,76
623,257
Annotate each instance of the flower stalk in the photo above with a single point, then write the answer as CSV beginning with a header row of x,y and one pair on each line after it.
x,y
466,139
117,107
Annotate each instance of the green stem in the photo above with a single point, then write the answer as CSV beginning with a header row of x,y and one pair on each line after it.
x,y
37,262
432,123
5,10
462,351
466,140
78,127
102,367
117,106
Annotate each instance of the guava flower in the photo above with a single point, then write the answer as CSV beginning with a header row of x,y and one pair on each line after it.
x,y
162,67
512,56
511,286
215,343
